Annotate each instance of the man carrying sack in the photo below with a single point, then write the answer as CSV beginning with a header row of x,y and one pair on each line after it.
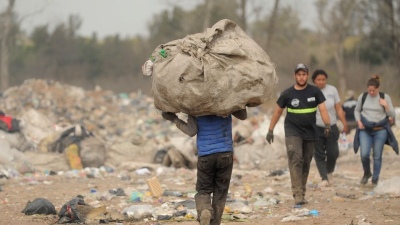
x,y
210,76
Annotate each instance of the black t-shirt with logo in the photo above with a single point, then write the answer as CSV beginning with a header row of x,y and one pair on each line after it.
x,y
301,109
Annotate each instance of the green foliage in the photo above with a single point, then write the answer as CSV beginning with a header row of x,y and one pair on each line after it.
x,y
167,26
40,37
89,55
287,29
177,23
62,54
224,9
376,49
378,46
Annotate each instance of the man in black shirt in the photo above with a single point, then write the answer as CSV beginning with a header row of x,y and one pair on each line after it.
x,y
301,101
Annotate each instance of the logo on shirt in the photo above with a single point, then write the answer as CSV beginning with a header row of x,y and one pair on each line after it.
x,y
312,99
295,102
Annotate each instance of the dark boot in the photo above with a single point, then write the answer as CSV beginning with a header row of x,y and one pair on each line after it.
x,y
365,178
299,200
203,207
205,217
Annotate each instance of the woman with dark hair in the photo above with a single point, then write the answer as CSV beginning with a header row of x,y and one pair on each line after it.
x,y
372,113
327,148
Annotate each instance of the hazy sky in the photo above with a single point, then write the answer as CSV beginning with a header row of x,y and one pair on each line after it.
x,y
107,17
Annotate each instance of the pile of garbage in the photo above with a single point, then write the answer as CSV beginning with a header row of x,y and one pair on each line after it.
x,y
114,117
59,120
122,127
50,112
135,137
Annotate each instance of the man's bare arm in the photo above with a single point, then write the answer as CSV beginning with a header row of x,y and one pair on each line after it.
x,y
324,113
275,117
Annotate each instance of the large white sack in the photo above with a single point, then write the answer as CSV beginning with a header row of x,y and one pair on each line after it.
x,y
11,158
16,140
92,152
216,72
50,161
35,126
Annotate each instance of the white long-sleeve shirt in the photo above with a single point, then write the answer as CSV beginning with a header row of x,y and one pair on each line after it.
x,y
372,110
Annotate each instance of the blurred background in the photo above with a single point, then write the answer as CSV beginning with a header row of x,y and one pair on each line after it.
x,y
104,43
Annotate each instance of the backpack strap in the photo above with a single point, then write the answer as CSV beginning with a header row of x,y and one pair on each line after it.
x,y
381,95
363,99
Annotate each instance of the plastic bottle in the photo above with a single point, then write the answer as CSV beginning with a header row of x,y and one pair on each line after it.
x,y
344,137
343,141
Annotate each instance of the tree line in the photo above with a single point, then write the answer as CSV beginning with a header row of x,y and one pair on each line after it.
x,y
351,40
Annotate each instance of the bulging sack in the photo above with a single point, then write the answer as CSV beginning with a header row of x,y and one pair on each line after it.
x,y
93,152
216,72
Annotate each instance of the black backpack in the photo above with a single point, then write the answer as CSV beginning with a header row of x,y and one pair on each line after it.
x,y
381,95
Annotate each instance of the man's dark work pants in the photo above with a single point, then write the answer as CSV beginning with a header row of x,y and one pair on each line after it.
x,y
213,176
300,153
326,151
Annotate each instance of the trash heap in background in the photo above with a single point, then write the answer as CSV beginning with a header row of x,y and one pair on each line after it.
x,y
113,117
133,132
128,125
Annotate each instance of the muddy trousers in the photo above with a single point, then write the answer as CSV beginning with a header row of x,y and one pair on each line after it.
x,y
326,151
213,177
300,153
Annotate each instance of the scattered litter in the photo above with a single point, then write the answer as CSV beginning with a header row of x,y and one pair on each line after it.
x,y
350,196
314,212
389,186
39,206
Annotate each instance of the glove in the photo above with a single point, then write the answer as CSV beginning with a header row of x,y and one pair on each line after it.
x,y
327,130
169,116
270,136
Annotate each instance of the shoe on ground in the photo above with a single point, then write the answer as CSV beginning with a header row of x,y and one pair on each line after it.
x,y
365,178
375,181
324,183
205,217
299,200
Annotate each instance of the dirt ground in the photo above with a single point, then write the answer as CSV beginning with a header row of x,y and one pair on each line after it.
x,y
345,203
